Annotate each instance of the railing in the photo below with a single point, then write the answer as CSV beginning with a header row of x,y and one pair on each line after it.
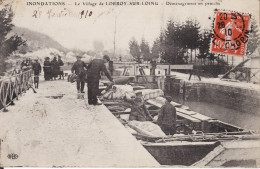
x,y
250,75
13,86
247,74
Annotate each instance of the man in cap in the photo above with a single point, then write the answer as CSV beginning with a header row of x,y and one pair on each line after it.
x,y
95,67
78,69
167,117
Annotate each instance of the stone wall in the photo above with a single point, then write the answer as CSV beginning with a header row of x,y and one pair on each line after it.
x,y
237,98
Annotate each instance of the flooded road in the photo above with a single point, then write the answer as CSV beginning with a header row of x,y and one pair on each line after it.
x,y
241,119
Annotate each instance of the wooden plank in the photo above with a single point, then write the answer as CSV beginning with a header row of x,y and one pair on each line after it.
x,y
188,112
182,67
209,157
120,113
176,104
154,102
188,117
201,117
177,144
234,68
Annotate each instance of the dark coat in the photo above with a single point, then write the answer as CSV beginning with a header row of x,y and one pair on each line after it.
x,y
25,66
60,62
167,115
47,66
95,67
55,65
36,68
78,67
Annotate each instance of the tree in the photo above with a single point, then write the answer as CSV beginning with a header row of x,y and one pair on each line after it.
x,y
173,48
155,51
135,50
8,42
190,35
204,45
158,48
178,38
145,50
253,39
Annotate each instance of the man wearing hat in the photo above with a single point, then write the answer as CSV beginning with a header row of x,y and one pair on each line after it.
x,y
78,69
167,117
139,111
95,67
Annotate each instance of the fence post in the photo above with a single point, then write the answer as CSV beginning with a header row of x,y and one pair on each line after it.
x,y
248,75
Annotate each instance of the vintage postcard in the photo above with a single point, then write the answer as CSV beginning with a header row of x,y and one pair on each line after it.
x,y
129,83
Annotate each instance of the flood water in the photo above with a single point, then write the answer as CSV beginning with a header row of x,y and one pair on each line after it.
x,y
241,119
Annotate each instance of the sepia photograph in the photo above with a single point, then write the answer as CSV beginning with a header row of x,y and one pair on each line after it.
x,y
130,83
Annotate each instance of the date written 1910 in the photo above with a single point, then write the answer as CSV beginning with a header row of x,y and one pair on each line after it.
x,y
230,33
51,13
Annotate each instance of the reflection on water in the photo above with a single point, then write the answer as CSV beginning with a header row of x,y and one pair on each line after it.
x,y
244,120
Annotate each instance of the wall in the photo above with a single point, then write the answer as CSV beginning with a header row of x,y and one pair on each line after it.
x,y
243,99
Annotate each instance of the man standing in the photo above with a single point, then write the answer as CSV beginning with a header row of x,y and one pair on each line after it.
x,y
111,67
47,69
60,63
167,117
55,68
37,70
95,67
36,67
78,68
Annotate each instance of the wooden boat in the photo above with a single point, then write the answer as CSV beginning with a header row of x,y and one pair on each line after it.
x,y
199,134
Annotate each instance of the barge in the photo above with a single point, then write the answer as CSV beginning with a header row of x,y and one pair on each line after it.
x,y
197,135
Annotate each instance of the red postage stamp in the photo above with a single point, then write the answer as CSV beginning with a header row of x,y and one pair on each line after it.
x,y
230,33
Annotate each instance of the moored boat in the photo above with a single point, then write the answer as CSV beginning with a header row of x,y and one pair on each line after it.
x,y
197,135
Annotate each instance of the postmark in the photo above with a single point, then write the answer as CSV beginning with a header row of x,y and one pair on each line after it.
x,y
231,31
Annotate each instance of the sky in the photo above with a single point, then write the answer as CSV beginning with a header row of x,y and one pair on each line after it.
x,y
143,21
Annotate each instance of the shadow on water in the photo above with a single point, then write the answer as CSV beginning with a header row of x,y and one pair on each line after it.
x,y
248,120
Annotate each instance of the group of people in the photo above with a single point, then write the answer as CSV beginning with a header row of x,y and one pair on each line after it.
x,y
52,69
27,64
92,74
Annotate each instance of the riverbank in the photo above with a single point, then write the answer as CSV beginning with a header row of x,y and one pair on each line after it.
x,y
52,128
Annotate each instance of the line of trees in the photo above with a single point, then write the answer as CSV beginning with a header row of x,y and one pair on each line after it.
x,y
140,52
179,42
173,43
